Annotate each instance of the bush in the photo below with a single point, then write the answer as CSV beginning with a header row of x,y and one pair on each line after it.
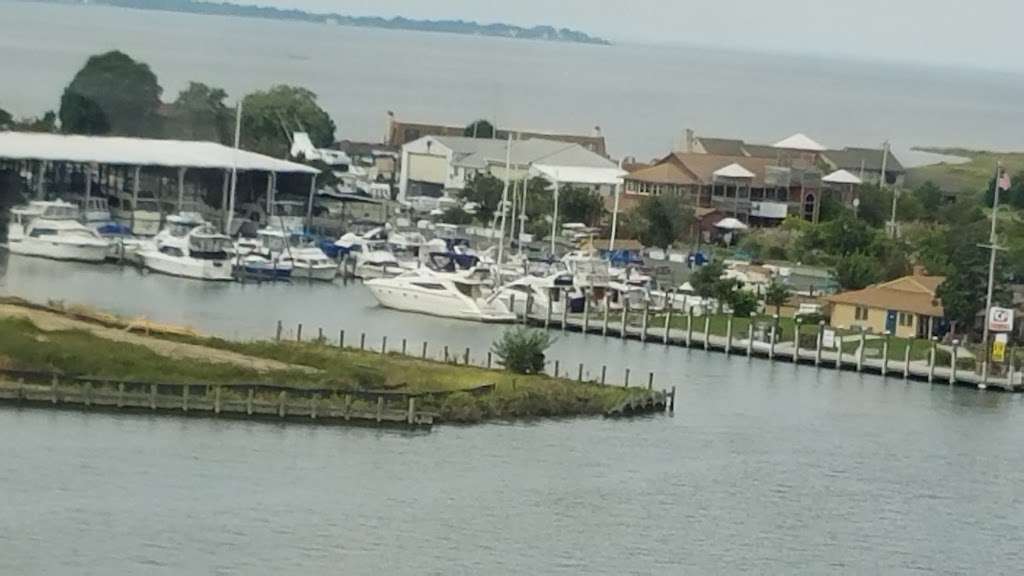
x,y
522,350
743,303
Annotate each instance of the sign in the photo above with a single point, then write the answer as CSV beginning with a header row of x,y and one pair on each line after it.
x,y
828,339
999,348
1000,319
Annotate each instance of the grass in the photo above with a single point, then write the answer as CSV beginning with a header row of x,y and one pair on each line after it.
x,y
79,353
972,176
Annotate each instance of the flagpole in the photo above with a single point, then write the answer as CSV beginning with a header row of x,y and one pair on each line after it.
x,y
991,272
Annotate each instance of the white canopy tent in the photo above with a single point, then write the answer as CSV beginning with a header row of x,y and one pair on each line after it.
x,y
140,152
734,171
800,142
842,177
731,224
558,175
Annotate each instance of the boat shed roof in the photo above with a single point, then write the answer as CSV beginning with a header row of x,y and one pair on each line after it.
x,y
139,152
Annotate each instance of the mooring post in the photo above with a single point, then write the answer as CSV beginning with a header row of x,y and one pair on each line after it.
x,y
298,333
952,362
466,357
586,311
282,400
625,318
932,354
277,336
604,373
579,373
424,354
384,345
796,340
750,336
906,360
728,336
643,322
380,408
341,338
526,311
120,394
860,350
488,360
604,326
707,332
818,344
557,367
249,400
689,327
405,342
53,389
885,354
771,341
410,417
511,301
152,396
650,381
314,402
320,335
839,352
672,400
547,314
626,385
216,400
666,339
348,407
362,341
565,308
184,397
445,353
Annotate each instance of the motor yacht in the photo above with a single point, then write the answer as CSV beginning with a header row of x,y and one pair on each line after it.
x,y
190,248
552,292
448,295
59,240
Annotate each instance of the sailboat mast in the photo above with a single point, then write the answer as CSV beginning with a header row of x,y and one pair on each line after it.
x,y
502,206
234,168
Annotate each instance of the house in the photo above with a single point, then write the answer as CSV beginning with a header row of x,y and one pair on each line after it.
x,y
907,307
866,164
443,165
402,133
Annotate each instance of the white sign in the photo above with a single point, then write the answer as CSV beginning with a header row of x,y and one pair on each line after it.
x,y
1000,320
828,339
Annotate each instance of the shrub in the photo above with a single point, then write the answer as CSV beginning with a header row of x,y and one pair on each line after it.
x,y
522,350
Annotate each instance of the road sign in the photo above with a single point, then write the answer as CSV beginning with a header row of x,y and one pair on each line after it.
x,y
999,348
1000,319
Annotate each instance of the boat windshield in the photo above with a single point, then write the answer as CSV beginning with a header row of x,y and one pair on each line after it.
x,y
60,212
470,290
274,243
209,247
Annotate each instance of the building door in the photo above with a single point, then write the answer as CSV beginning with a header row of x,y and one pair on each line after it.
x,y
810,207
890,321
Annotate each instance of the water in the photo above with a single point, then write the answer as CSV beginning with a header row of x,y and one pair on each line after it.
x,y
763,469
641,96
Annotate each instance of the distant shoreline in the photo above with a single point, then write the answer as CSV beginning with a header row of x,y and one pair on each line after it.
x,y
463,27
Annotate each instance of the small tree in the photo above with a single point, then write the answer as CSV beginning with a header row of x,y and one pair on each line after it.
x,y
5,119
522,350
456,216
480,129
743,303
777,294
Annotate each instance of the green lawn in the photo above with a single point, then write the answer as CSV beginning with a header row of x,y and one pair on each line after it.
x,y
972,176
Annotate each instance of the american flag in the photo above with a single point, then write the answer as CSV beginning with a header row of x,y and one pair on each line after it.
x,y
1004,181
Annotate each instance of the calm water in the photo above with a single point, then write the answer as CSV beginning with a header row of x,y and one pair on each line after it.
x,y
643,97
764,468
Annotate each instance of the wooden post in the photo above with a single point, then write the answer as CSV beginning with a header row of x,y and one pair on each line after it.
x,y
120,394
384,345
380,408
860,351
216,400
282,400
818,344
604,373
931,360
424,354
952,362
320,335
586,311
53,389
184,397
672,400
526,311
643,322
650,381
906,360
348,407
410,417
625,318
750,337
707,332
313,404
839,352
341,339
579,373
404,344
565,309
689,327
1010,384
298,333
547,315
362,341
445,353
466,357
885,355
666,339
557,367
249,400
604,326
771,342
488,360
728,336
626,385
511,301
152,396
796,341
277,337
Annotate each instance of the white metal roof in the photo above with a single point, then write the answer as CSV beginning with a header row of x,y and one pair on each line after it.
x,y
734,171
842,177
138,152
799,142
578,174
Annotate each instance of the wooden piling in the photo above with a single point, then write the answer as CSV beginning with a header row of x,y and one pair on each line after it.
x,y
298,333
314,403
931,361
707,332
184,397
586,311
216,400
557,367
565,309
341,338
604,373
424,354
384,345
906,361
650,381
380,408
152,396
604,326
445,353
626,384
771,342
488,360
860,350
952,362
818,344
249,401
750,338
405,342
623,332
728,336
672,400
277,336
796,341
53,389
579,373
120,394
885,355
547,315
526,311
320,335
643,321
667,337
410,417
689,327
466,357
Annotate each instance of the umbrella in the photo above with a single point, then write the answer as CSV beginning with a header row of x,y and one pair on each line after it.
x,y
731,224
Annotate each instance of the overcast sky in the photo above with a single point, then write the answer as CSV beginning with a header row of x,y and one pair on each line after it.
x,y
981,33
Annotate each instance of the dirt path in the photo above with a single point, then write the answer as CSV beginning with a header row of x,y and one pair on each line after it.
x,y
52,321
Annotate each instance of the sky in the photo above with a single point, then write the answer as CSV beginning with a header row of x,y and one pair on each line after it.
x,y
974,33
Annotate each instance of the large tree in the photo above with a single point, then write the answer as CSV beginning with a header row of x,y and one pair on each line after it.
x,y
580,205
485,190
5,119
269,118
112,94
199,113
660,221
479,129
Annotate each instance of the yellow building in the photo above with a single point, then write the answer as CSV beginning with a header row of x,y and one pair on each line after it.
x,y
907,307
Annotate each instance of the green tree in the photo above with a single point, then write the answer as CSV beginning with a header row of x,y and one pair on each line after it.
x,y
5,119
777,294
485,190
875,206
661,221
708,282
743,303
199,113
522,350
457,216
856,271
112,94
965,289
45,123
580,205
479,129
929,196
270,117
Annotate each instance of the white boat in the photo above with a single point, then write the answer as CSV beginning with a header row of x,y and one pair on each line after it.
x,y
94,211
189,250
123,246
372,258
23,216
588,270
60,240
554,292
310,262
265,257
143,217
440,294
289,215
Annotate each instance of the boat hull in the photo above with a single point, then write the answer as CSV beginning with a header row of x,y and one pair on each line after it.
x,y
59,250
196,269
431,303
318,273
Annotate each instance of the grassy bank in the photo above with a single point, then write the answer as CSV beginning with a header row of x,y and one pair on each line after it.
x,y
972,176
81,352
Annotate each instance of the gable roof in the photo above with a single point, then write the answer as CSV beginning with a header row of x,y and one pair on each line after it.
x,y
479,153
721,146
842,177
734,170
401,133
853,159
704,166
800,142
664,173
912,294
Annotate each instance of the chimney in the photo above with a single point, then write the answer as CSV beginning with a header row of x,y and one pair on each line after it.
x,y
688,139
597,131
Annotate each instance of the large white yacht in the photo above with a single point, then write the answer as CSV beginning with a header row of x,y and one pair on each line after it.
x,y
190,248
60,240
141,216
555,291
440,294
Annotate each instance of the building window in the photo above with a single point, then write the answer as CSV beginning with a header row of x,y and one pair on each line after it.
x,y
860,314
906,320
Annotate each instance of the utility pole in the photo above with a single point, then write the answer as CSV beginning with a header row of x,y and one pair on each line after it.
x,y
993,248
882,184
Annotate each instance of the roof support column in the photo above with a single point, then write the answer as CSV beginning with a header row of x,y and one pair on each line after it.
x,y
615,213
522,216
181,187
271,180
225,182
309,206
88,185
40,177
554,221
135,186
